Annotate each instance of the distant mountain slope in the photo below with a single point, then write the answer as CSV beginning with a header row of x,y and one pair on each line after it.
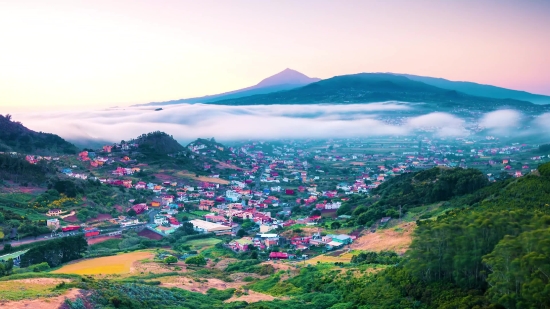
x,y
15,137
285,80
376,87
480,89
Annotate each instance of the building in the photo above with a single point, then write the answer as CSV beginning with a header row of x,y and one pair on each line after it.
x,y
160,220
53,224
54,212
210,227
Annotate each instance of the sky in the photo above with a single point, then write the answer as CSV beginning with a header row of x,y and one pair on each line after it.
x,y
62,54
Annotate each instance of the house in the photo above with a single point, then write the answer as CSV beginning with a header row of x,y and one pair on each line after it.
x,y
232,195
128,222
140,208
215,218
206,205
53,224
54,212
342,239
160,220
242,244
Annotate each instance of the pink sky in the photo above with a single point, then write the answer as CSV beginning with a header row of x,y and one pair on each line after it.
x,y
104,53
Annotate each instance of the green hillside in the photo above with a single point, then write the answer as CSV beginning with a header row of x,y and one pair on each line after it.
x,y
14,137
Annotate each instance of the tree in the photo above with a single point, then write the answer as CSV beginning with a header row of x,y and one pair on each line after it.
x,y
170,260
132,213
241,233
316,212
196,260
335,225
7,248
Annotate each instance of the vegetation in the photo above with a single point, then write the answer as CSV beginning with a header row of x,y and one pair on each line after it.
x,y
57,251
396,196
15,137
17,169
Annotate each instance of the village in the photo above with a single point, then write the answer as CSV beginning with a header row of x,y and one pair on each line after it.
x,y
257,190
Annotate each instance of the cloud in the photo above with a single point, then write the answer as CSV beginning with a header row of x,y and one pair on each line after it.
x,y
187,122
501,119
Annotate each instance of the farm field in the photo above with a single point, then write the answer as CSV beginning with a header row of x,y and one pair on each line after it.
x,y
98,240
327,258
203,178
201,244
149,234
108,265
28,289
396,239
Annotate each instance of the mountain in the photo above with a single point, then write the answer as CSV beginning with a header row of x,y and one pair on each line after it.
x,y
285,80
14,137
480,89
377,87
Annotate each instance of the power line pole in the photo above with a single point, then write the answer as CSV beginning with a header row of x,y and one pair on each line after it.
x,y
400,212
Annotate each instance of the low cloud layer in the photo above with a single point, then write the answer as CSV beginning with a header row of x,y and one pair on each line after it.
x,y
187,122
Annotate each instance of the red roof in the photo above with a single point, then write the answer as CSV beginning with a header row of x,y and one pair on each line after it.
x,y
278,255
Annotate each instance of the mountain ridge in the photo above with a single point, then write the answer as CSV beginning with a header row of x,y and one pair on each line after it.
x,y
380,87
481,90
284,80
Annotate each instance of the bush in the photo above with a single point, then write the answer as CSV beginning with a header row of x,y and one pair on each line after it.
x,y
219,294
40,267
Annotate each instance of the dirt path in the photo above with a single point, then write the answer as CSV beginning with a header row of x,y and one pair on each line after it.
x,y
42,281
252,297
200,287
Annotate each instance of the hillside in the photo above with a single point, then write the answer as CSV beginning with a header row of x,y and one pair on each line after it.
x,y
398,195
378,87
481,90
14,137
285,80
157,143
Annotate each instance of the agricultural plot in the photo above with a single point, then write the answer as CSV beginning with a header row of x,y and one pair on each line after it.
x,y
330,258
28,289
396,239
201,244
109,265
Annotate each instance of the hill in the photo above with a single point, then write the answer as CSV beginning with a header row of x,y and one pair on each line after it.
x,y
285,80
379,87
14,137
480,89
210,148
157,143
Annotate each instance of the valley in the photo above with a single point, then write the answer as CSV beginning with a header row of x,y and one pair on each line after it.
x,y
264,222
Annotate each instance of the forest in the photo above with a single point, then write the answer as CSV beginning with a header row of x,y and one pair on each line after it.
x,y
17,169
